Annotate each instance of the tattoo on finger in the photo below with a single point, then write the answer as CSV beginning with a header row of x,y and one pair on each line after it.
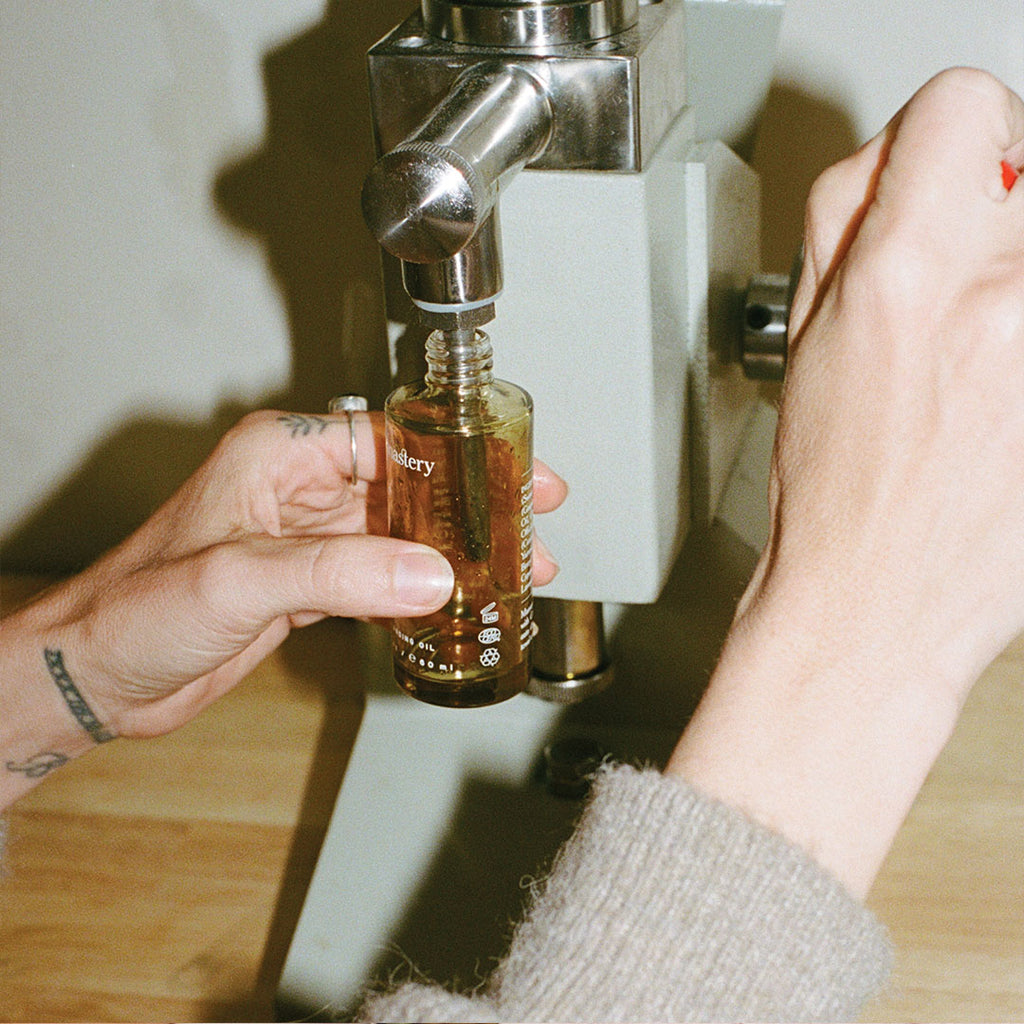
x,y
299,425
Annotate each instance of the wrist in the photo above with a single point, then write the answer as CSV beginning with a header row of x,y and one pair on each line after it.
x,y
823,734
46,720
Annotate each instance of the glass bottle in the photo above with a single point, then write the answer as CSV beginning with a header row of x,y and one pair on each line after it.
x,y
460,478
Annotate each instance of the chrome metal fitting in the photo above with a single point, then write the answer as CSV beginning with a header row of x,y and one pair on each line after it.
x,y
765,327
570,661
465,93
456,319
527,23
428,197
613,94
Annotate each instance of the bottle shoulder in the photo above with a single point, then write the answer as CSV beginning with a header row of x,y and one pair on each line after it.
x,y
497,402
424,388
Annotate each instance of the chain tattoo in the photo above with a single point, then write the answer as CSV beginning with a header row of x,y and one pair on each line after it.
x,y
46,761
74,699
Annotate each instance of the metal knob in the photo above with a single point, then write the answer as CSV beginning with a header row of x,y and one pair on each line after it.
x,y
764,341
424,202
570,765
765,327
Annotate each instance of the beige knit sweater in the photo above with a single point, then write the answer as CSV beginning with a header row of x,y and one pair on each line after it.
x,y
668,906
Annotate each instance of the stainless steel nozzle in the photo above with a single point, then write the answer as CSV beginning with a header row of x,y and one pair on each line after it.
x,y
430,195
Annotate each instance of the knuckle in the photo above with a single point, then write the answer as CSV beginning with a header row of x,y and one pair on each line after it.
x,y
254,423
975,80
821,198
324,573
999,311
894,275
240,436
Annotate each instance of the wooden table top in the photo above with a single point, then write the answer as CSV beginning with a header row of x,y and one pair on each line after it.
x,y
162,879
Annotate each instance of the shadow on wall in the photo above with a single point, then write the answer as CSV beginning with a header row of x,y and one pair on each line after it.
x,y
799,136
299,195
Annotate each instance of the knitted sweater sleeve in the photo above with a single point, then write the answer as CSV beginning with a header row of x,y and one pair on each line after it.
x,y
668,906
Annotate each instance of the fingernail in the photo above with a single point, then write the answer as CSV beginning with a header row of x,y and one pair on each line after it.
x,y
545,552
544,474
423,578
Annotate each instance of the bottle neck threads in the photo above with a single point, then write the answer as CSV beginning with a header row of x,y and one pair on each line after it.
x,y
459,359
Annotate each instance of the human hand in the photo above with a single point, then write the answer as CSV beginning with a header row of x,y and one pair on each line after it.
x,y
268,534
894,570
898,478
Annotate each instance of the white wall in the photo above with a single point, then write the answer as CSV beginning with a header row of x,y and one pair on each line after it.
x,y
846,66
180,231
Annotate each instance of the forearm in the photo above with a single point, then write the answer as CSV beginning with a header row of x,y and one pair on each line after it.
x,y
45,718
826,738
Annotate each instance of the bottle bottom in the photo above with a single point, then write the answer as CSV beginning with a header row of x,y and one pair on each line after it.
x,y
475,692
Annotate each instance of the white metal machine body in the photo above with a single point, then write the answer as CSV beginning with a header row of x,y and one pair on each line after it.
x,y
618,314
619,288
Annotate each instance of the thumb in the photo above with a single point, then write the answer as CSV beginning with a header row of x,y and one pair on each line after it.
x,y
171,638
352,575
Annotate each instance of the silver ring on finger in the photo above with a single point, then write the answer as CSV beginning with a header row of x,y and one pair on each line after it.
x,y
350,405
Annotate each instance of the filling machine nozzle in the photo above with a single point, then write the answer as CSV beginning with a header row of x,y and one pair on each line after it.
x,y
465,93
432,200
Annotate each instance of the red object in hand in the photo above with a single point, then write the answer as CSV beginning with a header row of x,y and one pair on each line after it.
x,y
1009,175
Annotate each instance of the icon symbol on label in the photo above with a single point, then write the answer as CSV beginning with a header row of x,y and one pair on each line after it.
x,y
491,635
490,657
488,615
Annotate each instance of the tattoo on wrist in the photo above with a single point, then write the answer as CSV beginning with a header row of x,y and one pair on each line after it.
x,y
73,698
38,765
302,426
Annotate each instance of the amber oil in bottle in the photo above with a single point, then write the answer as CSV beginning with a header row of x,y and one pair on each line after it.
x,y
460,478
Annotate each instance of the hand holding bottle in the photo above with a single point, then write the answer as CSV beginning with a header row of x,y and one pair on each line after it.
x,y
267,535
